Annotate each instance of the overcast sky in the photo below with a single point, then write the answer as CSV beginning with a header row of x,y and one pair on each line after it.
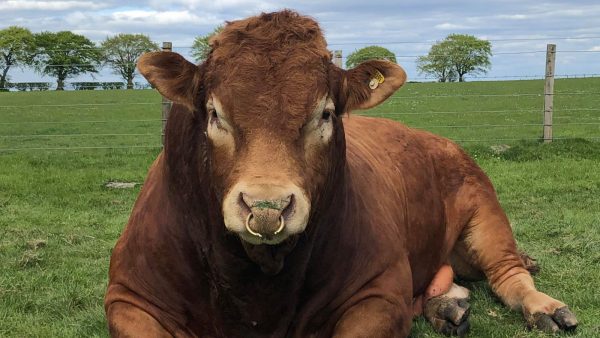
x,y
407,27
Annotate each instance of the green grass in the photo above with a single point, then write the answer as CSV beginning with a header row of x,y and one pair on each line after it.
x,y
58,223
93,118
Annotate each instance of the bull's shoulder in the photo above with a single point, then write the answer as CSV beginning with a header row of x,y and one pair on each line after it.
x,y
385,133
411,151
394,141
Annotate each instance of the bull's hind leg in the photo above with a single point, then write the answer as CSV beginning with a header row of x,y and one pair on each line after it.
x,y
490,247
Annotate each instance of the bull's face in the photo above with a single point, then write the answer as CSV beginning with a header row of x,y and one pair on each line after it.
x,y
268,170
273,122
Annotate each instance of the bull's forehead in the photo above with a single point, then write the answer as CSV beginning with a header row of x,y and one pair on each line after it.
x,y
269,69
282,96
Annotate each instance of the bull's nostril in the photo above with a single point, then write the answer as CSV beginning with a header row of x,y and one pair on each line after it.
x,y
289,208
243,204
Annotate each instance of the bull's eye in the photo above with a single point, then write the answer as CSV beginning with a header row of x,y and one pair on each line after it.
x,y
326,115
218,130
214,117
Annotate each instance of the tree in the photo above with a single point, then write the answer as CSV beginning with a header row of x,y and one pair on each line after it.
x,y
65,54
201,46
465,53
16,49
369,53
122,51
437,63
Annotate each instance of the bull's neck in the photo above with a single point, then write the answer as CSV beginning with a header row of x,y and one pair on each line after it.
x,y
253,295
259,287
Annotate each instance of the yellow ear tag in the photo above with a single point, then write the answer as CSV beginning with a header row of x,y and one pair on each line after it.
x,y
376,80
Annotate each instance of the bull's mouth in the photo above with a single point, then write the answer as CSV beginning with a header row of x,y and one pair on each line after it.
x,y
270,258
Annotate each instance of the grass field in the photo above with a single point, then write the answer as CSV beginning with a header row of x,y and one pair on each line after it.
x,y
58,222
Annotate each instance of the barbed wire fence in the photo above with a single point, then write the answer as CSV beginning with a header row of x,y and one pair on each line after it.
x,y
485,116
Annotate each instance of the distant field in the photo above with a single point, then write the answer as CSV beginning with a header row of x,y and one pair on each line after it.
x,y
58,223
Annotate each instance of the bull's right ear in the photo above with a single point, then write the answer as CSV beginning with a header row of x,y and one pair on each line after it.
x,y
172,75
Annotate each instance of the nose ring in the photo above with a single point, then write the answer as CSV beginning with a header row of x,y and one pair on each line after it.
x,y
254,233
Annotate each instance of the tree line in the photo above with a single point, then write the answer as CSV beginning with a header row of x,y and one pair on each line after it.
x,y
448,60
64,54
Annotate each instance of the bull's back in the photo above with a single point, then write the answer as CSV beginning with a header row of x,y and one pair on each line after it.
x,y
402,163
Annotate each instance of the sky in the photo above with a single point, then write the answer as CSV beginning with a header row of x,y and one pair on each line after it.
x,y
518,29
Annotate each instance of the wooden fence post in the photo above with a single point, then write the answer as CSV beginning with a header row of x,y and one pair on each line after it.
x,y
337,58
166,104
549,92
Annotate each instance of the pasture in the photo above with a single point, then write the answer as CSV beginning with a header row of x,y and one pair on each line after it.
x,y
58,221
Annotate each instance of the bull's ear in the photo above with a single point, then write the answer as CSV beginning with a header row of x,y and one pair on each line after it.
x,y
172,75
371,82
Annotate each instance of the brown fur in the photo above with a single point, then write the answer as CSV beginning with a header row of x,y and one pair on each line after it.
x,y
388,203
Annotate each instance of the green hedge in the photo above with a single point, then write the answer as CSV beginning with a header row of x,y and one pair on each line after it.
x,y
112,85
42,86
31,86
97,85
85,85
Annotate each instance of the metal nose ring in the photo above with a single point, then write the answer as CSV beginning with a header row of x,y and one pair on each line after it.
x,y
254,233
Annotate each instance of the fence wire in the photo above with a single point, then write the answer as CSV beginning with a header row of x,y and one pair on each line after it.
x,y
345,57
341,43
81,126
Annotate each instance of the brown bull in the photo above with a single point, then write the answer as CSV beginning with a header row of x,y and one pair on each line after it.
x,y
271,213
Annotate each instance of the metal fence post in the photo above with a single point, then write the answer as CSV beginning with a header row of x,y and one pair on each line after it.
x,y
549,92
166,103
337,58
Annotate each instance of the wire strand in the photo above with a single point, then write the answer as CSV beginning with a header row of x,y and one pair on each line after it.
x,y
79,148
358,43
491,95
79,122
82,104
73,135
159,146
434,41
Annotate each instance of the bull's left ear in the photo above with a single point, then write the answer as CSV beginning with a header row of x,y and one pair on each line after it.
x,y
371,82
172,75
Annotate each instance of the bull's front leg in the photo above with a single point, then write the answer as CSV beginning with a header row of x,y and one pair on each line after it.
x,y
126,320
382,308
375,317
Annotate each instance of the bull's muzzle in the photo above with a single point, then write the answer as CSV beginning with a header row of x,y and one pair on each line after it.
x,y
265,213
266,217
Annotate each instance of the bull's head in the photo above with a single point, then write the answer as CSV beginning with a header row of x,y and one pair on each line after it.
x,y
272,102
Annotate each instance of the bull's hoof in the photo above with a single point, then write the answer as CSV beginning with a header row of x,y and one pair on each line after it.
x,y
448,315
562,319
